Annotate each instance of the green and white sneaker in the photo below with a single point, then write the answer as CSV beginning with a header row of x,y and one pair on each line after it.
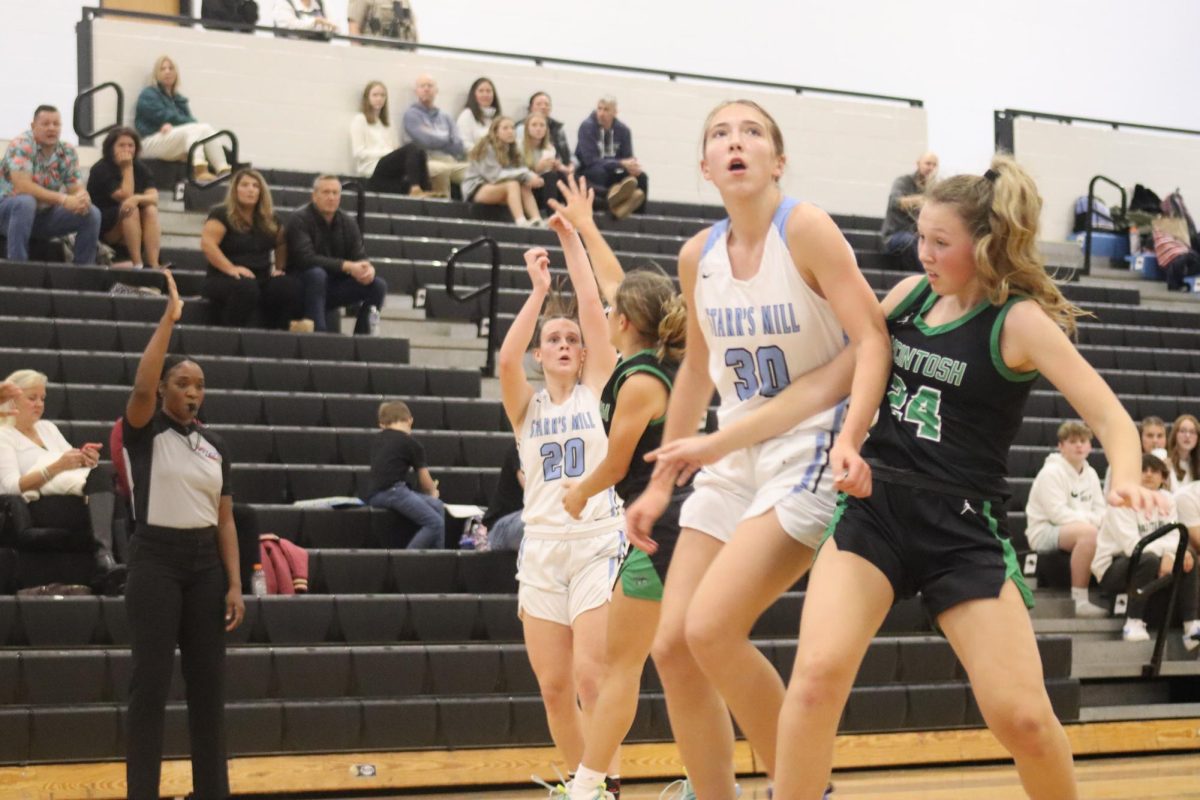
x,y
563,789
682,790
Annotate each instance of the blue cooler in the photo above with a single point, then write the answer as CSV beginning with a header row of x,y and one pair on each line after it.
x,y
1147,264
1105,245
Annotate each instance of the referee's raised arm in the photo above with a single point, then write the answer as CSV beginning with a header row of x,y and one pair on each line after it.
x,y
143,400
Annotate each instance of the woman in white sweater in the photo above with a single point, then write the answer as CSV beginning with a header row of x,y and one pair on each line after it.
x,y
483,106
1119,534
36,461
378,156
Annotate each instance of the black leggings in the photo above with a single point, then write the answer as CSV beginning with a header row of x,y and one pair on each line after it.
x,y
176,595
1114,582
400,170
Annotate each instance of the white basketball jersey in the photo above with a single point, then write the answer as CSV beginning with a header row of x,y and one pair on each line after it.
x,y
557,443
764,331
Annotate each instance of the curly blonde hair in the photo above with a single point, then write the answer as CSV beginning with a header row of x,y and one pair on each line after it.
x,y
1001,210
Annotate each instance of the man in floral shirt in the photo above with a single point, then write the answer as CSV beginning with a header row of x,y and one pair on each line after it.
x,y
41,191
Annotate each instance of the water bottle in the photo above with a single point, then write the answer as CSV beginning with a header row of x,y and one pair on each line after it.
x,y
373,321
479,533
258,583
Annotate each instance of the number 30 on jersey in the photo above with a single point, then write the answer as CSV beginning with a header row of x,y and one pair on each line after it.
x,y
922,408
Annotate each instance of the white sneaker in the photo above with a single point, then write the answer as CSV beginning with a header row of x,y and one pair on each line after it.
x,y
563,791
682,790
1135,631
1191,637
1089,610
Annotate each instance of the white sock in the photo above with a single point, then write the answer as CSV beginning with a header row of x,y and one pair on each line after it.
x,y
583,785
1079,594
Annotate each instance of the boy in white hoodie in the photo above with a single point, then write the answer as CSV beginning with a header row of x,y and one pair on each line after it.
x,y
1065,508
1120,532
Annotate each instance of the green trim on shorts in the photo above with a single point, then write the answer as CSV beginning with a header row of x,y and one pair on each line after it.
x,y
838,511
639,578
1012,571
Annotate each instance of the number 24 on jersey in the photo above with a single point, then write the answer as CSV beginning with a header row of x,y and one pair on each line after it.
x,y
922,408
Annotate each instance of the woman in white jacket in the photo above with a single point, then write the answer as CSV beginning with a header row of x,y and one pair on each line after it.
x,y
375,145
497,175
1065,507
1119,534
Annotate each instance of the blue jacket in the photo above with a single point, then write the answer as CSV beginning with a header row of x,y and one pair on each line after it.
x,y
587,147
156,108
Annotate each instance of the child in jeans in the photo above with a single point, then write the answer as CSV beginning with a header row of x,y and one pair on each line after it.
x,y
1120,532
1065,507
393,453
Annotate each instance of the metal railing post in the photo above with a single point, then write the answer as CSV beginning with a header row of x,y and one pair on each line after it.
x,y
492,288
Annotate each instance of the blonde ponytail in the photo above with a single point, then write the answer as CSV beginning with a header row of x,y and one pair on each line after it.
x,y
672,330
648,300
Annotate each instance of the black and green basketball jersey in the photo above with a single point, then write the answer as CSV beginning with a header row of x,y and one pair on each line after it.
x,y
952,407
638,476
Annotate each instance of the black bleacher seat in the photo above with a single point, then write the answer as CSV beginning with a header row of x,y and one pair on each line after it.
x,y
281,376
254,728
443,618
296,619
348,529
231,408
247,444
26,332
251,627
358,412
875,708
354,447
307,445
224,372
516,670
473,415
367,618
389,671
528,720
10,674
249,673
487,571
269,344
283,521
442,448
352,571
120,670
320,727
64,677
499,616
202,341
399,380
14,735
345,378
424,571
782,618
59,621
312,672
85,367
288,408
46,362
936,705
327,347
74,734
462,670
474,721
115,619
259,483
925,658
880,664
399,724
486,449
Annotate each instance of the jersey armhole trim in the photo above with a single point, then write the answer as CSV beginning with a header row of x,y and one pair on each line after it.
x,y
779,221
909,299
714,235
651,370
994,347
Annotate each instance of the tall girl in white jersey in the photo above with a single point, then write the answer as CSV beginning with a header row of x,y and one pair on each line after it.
x,y
566,565
773,292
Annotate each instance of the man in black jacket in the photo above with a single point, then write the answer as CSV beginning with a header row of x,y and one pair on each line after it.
x,y
325,252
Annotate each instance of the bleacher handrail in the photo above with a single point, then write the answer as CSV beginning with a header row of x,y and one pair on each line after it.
x,y
1151,669
672,75
199,143
1091,199
360,203
1011,113
78,117
492,287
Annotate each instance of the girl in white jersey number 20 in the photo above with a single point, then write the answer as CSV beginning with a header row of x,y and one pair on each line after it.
x,y
566,565
773,292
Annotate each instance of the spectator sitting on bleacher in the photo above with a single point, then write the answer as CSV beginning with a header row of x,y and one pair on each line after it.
x,y
1173,253
541,156
483,106
36,461
121,186
1065,508
497,175
39,172
431,128
238,239
539,103
1183,457
168,129
375,145
605,155
394,453
302,15
1119,534
325,253
904,204
389,19
505,528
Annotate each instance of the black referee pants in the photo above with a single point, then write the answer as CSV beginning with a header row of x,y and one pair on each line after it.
x,y
175,594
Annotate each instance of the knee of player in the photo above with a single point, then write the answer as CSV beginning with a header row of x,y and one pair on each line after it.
x,y
820,679
588,676
706,635
557,689
671,653
1025,725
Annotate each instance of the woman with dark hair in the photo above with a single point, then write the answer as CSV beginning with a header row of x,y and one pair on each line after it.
x,y
238,239
483,106
184,586
377,151
120,185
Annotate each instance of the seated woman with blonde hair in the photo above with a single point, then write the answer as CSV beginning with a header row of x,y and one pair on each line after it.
x,y
497,175
541,156
168,130
36,462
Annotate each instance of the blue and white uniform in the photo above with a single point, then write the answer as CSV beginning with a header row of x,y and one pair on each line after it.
x,y
761,332
565,566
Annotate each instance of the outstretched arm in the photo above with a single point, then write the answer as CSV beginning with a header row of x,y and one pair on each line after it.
x,y
144,398
601,355
578,212
515,389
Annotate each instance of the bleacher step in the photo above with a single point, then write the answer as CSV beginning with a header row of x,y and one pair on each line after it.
x,y
1139,711
1119,659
